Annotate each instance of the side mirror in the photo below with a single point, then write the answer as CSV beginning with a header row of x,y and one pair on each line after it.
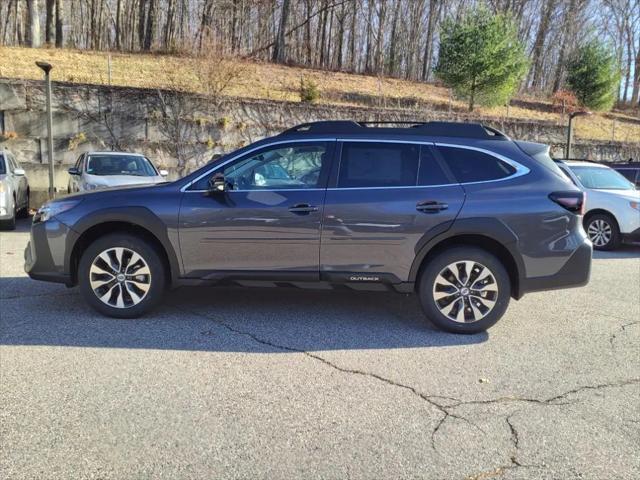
x,y
19,172
163,173
73,171
217,184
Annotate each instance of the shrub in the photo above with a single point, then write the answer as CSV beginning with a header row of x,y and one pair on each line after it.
x,y
309,92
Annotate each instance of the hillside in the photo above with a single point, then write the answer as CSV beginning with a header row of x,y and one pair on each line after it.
x,y
277,82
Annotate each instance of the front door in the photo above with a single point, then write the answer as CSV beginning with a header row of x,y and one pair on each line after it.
x,y
267,224
385,199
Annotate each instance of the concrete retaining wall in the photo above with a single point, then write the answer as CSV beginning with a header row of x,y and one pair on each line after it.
x,y
89,117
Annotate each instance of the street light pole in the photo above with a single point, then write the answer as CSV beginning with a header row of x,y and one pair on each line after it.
x,y
572,115
46,68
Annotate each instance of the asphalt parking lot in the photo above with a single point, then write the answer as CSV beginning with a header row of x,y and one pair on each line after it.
x,y
264,383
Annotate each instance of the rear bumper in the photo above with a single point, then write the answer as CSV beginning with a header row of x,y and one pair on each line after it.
x,y
575,273
46,255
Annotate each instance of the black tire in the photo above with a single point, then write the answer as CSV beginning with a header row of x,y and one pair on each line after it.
x,y
24,213
429,281
157,278
602,222
11,223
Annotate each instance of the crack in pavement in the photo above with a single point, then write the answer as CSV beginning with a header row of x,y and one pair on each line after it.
x,y
621,328
446,414
445,410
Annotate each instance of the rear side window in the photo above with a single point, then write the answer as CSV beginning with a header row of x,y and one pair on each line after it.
x,y
474,166
378,164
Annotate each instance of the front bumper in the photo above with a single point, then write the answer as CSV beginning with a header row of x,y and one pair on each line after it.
x,y
48,252
575,273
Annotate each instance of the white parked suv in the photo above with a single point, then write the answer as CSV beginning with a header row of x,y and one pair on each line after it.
x,y
14,190
94,170
612,210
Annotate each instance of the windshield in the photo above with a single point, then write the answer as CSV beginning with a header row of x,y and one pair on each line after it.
x,y
599,178
120,165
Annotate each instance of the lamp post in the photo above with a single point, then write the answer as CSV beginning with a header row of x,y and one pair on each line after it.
x,y
572,115
46,68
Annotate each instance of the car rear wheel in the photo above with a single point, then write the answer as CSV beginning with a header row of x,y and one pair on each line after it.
x,y
603,231
121,276
464,290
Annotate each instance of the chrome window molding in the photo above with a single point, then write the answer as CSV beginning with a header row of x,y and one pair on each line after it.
x,y
520,169
235,157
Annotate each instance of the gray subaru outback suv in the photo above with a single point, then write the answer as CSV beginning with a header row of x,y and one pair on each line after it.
x,y
458,213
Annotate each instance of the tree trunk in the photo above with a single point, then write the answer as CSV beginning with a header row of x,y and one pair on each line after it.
x,y
50,21
279,53
569,22
635,97
428,49
59,23
538,46
33,14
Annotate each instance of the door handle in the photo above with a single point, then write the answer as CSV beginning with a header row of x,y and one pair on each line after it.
x,y
303,208
431,206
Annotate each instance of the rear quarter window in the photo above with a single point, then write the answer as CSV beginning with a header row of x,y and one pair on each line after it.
x,y
474,166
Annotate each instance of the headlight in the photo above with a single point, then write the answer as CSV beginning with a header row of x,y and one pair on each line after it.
x,y
90,186
635,205
49,210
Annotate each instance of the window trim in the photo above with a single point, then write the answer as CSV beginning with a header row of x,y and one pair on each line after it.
x,y
185,188
520,169
335,173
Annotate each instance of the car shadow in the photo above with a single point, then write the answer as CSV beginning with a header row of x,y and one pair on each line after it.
x,y
624,251
22,225
221,319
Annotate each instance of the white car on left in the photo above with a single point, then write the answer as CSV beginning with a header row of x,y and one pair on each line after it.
x,y
14,190
94,170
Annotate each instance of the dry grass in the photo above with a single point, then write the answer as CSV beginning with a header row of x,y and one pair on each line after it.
x,y
276,82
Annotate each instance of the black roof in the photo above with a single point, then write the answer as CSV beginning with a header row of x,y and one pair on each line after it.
x,y
435,129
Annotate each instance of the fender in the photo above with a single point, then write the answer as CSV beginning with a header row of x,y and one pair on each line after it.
x,y
139,216
488,227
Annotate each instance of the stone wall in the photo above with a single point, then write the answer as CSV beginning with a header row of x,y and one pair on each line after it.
x,y
89,117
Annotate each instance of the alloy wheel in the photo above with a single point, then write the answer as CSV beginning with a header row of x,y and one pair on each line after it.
x,y
465,291
120,277
599,232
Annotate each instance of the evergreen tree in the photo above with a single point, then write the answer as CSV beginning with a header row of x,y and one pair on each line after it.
x,y
481,58
593,75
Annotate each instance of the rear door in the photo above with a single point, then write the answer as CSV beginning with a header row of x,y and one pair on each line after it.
x,y
384,197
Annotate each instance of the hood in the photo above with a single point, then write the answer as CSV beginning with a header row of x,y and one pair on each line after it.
x,y
102,181
632,195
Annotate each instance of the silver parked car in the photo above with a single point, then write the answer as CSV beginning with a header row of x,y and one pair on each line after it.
x,y
14,190
95,170
612,208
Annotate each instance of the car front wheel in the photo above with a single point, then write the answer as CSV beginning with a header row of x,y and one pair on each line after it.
x,y
464,290
121,276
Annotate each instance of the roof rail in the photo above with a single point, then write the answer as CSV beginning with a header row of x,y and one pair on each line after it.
x,y
436,129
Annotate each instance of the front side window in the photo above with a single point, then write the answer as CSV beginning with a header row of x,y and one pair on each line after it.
x,y
120,165
601,178
378,164
474,166
294,166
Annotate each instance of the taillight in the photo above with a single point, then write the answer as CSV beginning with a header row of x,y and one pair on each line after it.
x,y
572,201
